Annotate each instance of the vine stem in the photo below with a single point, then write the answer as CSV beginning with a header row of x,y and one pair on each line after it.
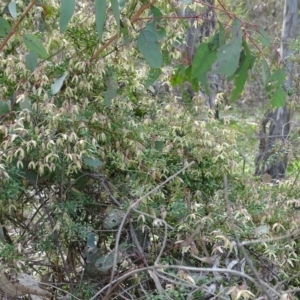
x,y
13,30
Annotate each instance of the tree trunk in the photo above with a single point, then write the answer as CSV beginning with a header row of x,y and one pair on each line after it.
x,y
194,36
275,127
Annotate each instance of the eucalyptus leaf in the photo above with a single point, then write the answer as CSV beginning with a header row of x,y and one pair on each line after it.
x,y
12,6
149,48
35,45
31,61
229,55
56,86
100,12
4,27
92,162
113,219
67,8
116,12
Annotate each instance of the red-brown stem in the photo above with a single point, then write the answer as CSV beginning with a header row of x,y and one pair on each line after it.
x,y
133,20
13,30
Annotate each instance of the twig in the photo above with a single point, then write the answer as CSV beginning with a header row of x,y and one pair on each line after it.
x,y
179,267
258,281
13,30
132,20
131,207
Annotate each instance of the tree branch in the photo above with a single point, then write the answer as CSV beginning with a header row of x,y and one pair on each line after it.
x,y
132,20
13,30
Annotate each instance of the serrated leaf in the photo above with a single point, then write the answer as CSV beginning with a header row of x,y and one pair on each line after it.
x,y
67,8
149,48
92,162
4,108
277,78
277,98
35,45
100,13
4,27
12,7
152,77
56,86
229,54
31,61
203,60
116,12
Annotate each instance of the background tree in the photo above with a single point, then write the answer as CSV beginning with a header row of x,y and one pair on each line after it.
x,y
275,126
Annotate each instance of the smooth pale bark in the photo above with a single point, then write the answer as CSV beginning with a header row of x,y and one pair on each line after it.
x,y
275,127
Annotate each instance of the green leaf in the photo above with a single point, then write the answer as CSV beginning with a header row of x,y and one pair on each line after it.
x,y
12,7
203,60
229,54
92,162
105,262
193,81
277,99
34,44
152,77
276,80
166,57
242,72
111,88
157,30
67,8
100,12
222,34
91,240
56,86
4,28
149,48
4,108
179,76
31,61
116,12
204,83
264,37
159,145
186,2
113,219
265,72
